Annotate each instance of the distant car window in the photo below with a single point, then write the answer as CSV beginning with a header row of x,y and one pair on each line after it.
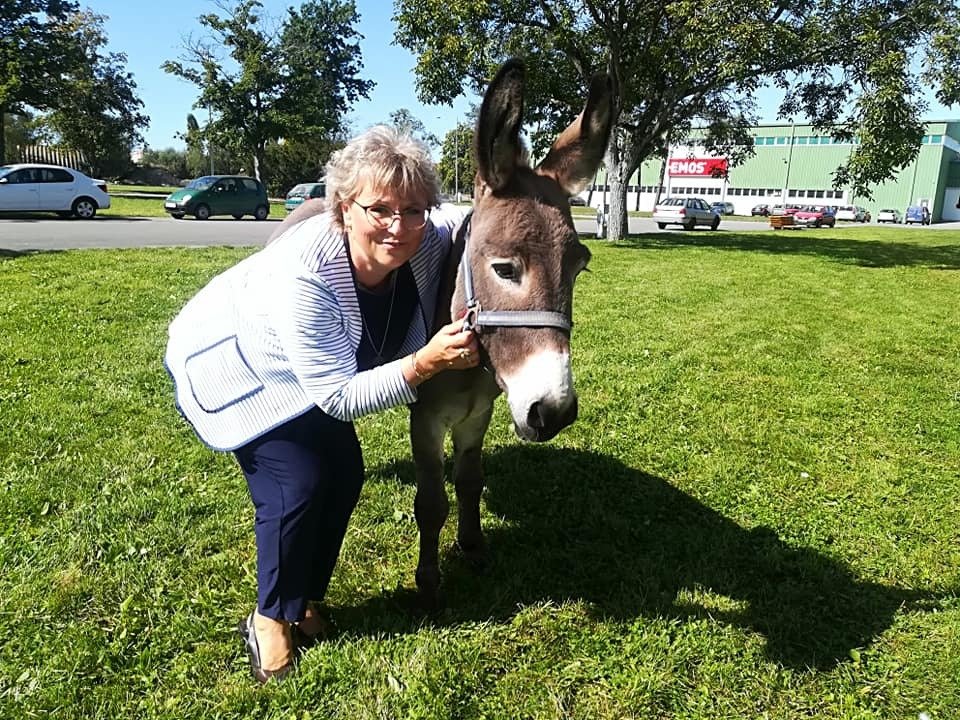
x,y
202,183
23,176
250,185
56,175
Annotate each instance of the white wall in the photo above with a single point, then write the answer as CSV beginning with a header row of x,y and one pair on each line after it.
x,y
951,196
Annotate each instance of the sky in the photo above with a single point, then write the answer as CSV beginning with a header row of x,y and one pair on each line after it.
x,y
149,35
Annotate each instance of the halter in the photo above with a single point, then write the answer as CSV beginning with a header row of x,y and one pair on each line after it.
x,y
478,318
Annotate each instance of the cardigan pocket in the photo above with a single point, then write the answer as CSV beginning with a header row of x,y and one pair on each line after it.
x,y
220,376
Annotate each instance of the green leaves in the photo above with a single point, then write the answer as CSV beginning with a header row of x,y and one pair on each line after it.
x,y
852,67
295,82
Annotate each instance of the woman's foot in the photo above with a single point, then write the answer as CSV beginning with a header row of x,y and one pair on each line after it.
x,y
269,644
313,628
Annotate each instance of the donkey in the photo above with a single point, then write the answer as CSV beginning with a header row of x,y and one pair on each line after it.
x,y
511,276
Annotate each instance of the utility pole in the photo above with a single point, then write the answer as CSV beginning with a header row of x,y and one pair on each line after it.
x,y
456,161
210,138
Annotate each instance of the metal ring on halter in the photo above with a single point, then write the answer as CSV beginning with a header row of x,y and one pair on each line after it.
x,y
470,318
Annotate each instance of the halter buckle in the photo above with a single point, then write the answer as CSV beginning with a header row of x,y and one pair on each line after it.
x,y
470,320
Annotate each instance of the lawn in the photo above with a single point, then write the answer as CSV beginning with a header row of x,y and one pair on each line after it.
x,y
755,515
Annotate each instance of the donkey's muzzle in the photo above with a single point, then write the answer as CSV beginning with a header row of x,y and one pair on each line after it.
x,y
547,420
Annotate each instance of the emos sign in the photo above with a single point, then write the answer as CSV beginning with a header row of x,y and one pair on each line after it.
x,y
697,167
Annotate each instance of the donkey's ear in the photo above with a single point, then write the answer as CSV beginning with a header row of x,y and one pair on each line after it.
x,y
498,147
578,151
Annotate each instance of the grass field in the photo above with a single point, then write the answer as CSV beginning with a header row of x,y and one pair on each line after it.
x,y
755,516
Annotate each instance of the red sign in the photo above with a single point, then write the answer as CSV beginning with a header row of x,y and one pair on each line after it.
x,y
697,167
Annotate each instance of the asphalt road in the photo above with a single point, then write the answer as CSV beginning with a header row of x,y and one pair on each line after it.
x,y
24,234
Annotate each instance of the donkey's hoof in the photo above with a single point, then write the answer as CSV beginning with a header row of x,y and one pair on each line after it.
x,y
428,590
429,602
475,556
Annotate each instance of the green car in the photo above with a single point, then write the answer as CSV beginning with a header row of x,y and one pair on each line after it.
x,y
219,195
302,192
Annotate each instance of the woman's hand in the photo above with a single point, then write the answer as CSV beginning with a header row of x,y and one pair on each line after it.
x,y
452,348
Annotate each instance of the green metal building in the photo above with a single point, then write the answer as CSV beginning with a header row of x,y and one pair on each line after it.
x,y
793,164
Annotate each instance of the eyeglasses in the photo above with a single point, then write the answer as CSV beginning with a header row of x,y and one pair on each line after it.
x,y
381,217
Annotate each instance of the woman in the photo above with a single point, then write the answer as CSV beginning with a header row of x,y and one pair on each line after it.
x,y
276,356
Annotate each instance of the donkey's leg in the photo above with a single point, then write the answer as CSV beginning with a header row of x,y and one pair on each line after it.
x,y
468,478
430,506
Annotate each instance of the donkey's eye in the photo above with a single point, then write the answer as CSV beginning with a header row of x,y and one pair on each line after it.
x,y
505,270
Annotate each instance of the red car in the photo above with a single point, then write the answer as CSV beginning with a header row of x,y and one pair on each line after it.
x,y
815,216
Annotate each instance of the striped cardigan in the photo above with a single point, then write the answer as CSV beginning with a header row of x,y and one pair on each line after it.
x,y
277,334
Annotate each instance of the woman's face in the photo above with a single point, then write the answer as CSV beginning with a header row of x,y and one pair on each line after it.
x,y
384,229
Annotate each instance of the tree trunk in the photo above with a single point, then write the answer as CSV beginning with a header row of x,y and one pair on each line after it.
x,y
3,139
259,166
620,163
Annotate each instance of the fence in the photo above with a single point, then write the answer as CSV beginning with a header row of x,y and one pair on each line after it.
x,y
51,155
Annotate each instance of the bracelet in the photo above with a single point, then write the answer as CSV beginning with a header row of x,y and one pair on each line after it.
x,y
421,375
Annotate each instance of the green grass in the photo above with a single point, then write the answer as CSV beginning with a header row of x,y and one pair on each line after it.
x,y
754,517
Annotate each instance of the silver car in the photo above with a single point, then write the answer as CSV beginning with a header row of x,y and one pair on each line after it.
x,y
687,212
35,187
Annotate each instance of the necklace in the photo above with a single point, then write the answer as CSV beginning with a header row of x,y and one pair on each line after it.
x,y
386,330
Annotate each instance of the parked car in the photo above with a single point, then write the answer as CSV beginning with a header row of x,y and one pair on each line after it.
x,y
815,216
34,187
784,209
888,216
917,214
304,191
723,208
577,201
688,212
763,210
853,213
220,195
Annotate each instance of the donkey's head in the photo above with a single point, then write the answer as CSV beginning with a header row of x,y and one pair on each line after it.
x,y
524,253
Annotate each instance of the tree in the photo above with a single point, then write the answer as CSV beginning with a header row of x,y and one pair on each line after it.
x,y
852,67
19,130
293,83
405,121
171,159
457,166
97,110
35,51
299,160
198,159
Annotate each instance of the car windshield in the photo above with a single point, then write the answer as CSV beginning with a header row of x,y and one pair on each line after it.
x,y
299,190
202,183
6,169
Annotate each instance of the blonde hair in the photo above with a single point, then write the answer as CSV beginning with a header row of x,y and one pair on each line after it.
x,y
383,157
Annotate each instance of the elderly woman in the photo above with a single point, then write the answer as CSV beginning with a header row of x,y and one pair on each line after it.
x,y
276,357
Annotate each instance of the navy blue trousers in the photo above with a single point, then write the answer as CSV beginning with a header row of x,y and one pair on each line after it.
x,y
304,478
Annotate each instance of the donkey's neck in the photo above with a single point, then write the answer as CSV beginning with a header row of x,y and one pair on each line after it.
x,y
451,279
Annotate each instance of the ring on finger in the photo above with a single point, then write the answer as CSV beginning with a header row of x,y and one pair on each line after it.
x,y
465,354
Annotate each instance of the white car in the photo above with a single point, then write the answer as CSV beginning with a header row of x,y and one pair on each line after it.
x,y
32,187
851,213
688,212
888,216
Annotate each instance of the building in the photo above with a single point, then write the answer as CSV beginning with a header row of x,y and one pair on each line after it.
x,y
793,164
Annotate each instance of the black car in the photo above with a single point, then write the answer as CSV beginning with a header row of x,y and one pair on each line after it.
x,y
763,210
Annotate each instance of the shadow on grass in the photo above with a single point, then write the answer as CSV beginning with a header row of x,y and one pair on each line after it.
x,y
868,253
8,254
587,527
